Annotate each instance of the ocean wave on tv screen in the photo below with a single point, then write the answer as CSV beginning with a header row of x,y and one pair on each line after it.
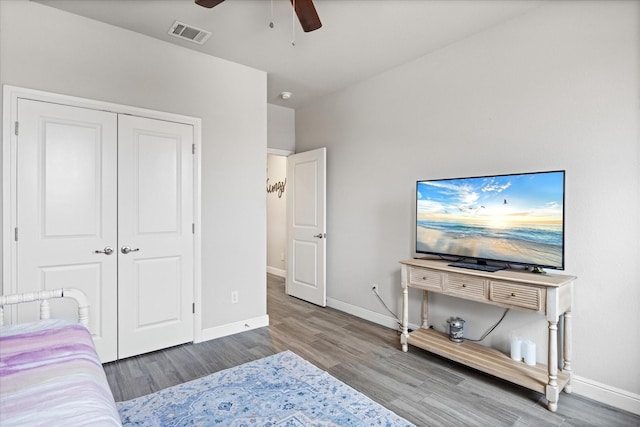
x,y
544,234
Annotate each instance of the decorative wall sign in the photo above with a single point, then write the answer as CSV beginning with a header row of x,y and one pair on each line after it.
x,y
278,187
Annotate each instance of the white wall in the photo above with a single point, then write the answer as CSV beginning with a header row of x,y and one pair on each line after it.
x,y
281,134
556,88
47,49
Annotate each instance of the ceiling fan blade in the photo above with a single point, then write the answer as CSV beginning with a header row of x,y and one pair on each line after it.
x,y
307,15
208,3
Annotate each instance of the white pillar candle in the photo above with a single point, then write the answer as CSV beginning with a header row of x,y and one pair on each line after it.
x,y
530,353
516,349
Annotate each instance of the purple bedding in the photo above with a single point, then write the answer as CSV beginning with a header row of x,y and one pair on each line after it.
x,y
50,375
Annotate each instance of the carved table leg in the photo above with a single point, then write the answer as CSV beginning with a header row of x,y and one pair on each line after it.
x,y
425,309
567,351
405,317
552,387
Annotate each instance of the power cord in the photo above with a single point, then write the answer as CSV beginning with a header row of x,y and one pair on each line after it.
x,y
374,289
490,330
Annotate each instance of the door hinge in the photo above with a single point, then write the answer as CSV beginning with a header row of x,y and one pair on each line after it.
x,y
193,148
17,127
193,308
15,234
193,228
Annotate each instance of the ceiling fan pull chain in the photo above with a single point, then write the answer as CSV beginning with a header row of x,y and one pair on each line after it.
x,y
293,27
271,21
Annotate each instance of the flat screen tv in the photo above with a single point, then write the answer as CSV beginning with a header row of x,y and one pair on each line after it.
x,y
495,220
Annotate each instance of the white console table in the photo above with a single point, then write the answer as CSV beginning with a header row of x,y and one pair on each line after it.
x,y
550,295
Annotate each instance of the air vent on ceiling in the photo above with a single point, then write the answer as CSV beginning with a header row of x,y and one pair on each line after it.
x,y
186,32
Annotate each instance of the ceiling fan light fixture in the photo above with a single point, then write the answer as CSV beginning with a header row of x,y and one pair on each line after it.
x,y
304,9
208,3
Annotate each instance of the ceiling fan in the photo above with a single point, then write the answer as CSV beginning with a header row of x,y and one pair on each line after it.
x,y
306,11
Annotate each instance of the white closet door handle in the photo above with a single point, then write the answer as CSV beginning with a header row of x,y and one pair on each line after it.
x,y
107,251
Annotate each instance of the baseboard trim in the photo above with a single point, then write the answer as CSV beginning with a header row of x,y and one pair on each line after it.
x,y
233,328
607,394
277,272
363,313
599,392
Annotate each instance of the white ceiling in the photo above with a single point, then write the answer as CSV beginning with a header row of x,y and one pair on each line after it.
x,y
358,39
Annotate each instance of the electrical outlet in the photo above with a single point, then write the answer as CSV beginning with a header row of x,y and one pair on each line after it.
x,y
281,256
234,297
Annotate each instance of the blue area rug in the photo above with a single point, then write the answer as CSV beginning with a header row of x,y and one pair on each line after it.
x,y
279,390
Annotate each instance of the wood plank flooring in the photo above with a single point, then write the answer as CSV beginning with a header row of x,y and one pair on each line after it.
x,y
423,388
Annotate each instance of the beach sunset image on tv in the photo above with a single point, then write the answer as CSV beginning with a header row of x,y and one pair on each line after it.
x,y
510,218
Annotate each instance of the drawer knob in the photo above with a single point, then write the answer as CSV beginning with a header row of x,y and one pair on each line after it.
x,y
424,277
513,294
464,286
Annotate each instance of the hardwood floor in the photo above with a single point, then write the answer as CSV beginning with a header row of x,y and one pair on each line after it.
x,y
423,388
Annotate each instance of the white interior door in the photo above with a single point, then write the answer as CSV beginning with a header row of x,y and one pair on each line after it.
x,y
306,226
155,242
89,185
66,210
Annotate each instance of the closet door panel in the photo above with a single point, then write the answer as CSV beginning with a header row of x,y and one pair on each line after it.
x,y
66,210
155,202
158,164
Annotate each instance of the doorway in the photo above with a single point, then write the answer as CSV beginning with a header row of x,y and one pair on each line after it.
x,y
276,187
296,224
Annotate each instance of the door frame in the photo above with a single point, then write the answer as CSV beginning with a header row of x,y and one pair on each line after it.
x,y
11,94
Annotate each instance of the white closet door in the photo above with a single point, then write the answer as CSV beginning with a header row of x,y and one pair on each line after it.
x,y
155,237
67,210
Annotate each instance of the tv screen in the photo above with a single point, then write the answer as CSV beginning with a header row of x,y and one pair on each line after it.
x,y
510,219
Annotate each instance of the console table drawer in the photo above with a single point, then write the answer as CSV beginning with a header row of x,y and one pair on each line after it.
x,y
425,279
466,286
516,295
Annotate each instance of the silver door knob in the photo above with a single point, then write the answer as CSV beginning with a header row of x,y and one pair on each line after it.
x,y
107,251
320,236
126,249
